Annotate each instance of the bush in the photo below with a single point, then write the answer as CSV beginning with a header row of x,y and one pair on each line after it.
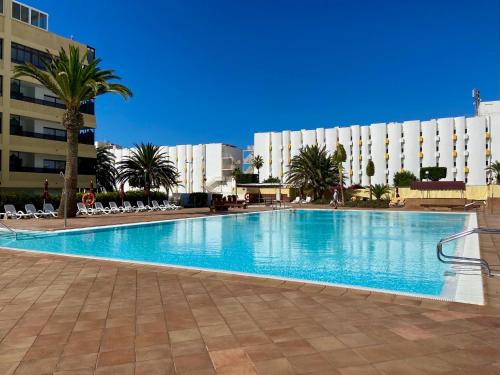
x,y
197,200
383,203
404,178
247,178
435,173
272,180
133,196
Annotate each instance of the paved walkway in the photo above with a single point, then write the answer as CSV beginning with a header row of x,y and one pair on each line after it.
x,y
76,316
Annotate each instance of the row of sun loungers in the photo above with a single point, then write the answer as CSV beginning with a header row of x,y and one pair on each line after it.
x,y
31,212
127,207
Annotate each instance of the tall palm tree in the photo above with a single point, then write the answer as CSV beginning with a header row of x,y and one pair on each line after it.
x,y
75,80
312,169
257,163
339,157
105,172
494,169
148,167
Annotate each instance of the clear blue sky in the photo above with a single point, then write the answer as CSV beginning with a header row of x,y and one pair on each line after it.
x,y
218,71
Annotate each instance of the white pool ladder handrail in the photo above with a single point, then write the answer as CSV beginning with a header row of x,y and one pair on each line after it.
x,y
9,228
452,259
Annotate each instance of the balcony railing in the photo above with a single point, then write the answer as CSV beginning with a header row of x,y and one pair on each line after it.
x,y
85,137
20,168
88,107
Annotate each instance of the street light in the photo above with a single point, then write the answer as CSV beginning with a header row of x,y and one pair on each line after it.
x,y
65,193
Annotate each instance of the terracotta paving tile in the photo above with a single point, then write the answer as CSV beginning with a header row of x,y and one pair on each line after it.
x,y
275,366
76,362
192,362
70,316
355,340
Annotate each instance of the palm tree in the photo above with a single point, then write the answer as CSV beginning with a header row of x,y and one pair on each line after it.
x,y
494,169
312,169
257,163
339,157
75,80
379,190
106,172
370,171
146,167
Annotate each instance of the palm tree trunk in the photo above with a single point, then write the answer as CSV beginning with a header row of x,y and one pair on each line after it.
x,y
342,185
73,122
370,186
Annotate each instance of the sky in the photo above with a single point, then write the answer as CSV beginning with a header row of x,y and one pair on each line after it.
x,y
219,71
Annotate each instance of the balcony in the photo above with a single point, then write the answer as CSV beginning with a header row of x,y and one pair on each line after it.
x,y
87,107
48,164
25,127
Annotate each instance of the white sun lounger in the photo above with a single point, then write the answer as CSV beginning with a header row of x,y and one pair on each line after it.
x,y
114,209
10,211
170,206
31,210
100,209
142,207
307,200
157,207
83,210
49,208
127,207
296,200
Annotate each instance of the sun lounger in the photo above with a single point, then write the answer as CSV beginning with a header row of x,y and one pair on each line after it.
x,y
10,211
296,200
100,209
157,207
171,206
307,200
127,207
396,204
114,209
142,207
31,210
83,210
49,208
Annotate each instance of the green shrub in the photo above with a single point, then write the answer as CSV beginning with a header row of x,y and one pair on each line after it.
x,y
197,200
435,173
247,178
132,196
272,180
404,178
19,199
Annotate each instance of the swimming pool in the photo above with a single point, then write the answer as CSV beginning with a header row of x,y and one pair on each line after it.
x,y
390,251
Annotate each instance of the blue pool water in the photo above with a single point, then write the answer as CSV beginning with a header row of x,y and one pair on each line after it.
x,y
384,250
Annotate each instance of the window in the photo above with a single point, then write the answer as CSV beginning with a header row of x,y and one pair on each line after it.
x,y
454,163
29,15
52,99
466,146
21,55
454,147
1,48
54,164
454,131
56,133
1,6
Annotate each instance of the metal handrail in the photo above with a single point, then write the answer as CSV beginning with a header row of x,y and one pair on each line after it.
x,y
465,260
9,228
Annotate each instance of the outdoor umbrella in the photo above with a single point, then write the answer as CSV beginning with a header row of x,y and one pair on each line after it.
x,y
91,187
45,191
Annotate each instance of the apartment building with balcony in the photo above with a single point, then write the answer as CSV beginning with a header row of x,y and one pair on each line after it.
x,y
33,146
466,146
202,168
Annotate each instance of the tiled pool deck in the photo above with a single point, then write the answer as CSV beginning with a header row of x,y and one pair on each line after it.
x,y
77,316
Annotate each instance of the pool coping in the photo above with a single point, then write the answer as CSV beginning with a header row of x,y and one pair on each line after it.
x,y
457,290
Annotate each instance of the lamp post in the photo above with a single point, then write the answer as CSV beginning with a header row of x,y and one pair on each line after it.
x,y
65,193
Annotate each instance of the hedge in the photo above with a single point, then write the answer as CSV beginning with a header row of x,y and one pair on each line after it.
x,y
435,173
368,203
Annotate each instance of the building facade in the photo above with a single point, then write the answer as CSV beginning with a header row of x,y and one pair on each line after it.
x,y
33,146
202,168
465,146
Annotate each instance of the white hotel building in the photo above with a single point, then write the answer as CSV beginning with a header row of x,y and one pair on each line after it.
x,y
464,145
202,167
